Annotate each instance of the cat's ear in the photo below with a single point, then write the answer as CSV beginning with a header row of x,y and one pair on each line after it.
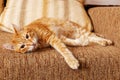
x,y
14,28
8,46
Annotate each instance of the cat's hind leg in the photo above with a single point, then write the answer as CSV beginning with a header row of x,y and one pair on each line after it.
x,y
93,38
82,41
85,40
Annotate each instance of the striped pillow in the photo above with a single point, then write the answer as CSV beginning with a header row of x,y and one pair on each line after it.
x,y
22,12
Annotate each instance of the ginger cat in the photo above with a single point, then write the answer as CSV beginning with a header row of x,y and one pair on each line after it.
x,y
56,33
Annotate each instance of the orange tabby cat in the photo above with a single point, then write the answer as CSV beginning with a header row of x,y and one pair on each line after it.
x,y
56,33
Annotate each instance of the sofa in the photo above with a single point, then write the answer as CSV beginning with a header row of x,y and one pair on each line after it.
x,y
96,62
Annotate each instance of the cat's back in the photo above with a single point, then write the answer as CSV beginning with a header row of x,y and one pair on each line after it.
x,y
46,23
57,26
54,25
50,21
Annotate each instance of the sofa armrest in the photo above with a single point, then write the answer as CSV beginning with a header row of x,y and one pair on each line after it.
x,y
1,5
106,21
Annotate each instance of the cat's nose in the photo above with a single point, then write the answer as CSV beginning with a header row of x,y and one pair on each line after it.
x,y
34,44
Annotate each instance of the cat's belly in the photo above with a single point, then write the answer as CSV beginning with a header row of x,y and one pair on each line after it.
x,y
67,31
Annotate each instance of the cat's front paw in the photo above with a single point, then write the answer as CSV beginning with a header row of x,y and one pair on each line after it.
x,y
73,63
106,42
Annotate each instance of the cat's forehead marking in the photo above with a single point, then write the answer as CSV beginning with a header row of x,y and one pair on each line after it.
x,y
18,39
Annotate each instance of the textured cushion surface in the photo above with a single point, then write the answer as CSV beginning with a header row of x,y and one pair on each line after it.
x,y
96,63
106,21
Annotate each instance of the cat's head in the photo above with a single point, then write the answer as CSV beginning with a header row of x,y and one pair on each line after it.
x,y
23,41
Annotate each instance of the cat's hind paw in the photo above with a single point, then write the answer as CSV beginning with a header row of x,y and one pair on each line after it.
x,y
73,63
105,42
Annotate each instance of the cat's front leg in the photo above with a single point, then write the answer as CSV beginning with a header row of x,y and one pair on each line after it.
x,y
72,62
63,50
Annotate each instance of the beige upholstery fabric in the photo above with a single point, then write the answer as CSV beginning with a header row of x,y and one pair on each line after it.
x,y
106,21
22,12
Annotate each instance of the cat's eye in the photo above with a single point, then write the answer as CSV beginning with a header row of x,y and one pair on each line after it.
x,y
22,46
27,36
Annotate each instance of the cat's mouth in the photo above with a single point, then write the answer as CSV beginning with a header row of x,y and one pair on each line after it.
x,y
35,43
35,46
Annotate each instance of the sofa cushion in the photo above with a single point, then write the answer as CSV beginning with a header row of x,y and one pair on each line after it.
x,y
96,63
106,21
22,12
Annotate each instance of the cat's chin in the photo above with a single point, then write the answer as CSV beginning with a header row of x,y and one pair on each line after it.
x,y
32,48
30,51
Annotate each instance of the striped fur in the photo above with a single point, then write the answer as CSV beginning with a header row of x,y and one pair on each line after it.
x,y
22,12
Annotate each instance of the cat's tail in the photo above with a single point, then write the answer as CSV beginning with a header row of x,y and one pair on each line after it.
x,y
5,28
